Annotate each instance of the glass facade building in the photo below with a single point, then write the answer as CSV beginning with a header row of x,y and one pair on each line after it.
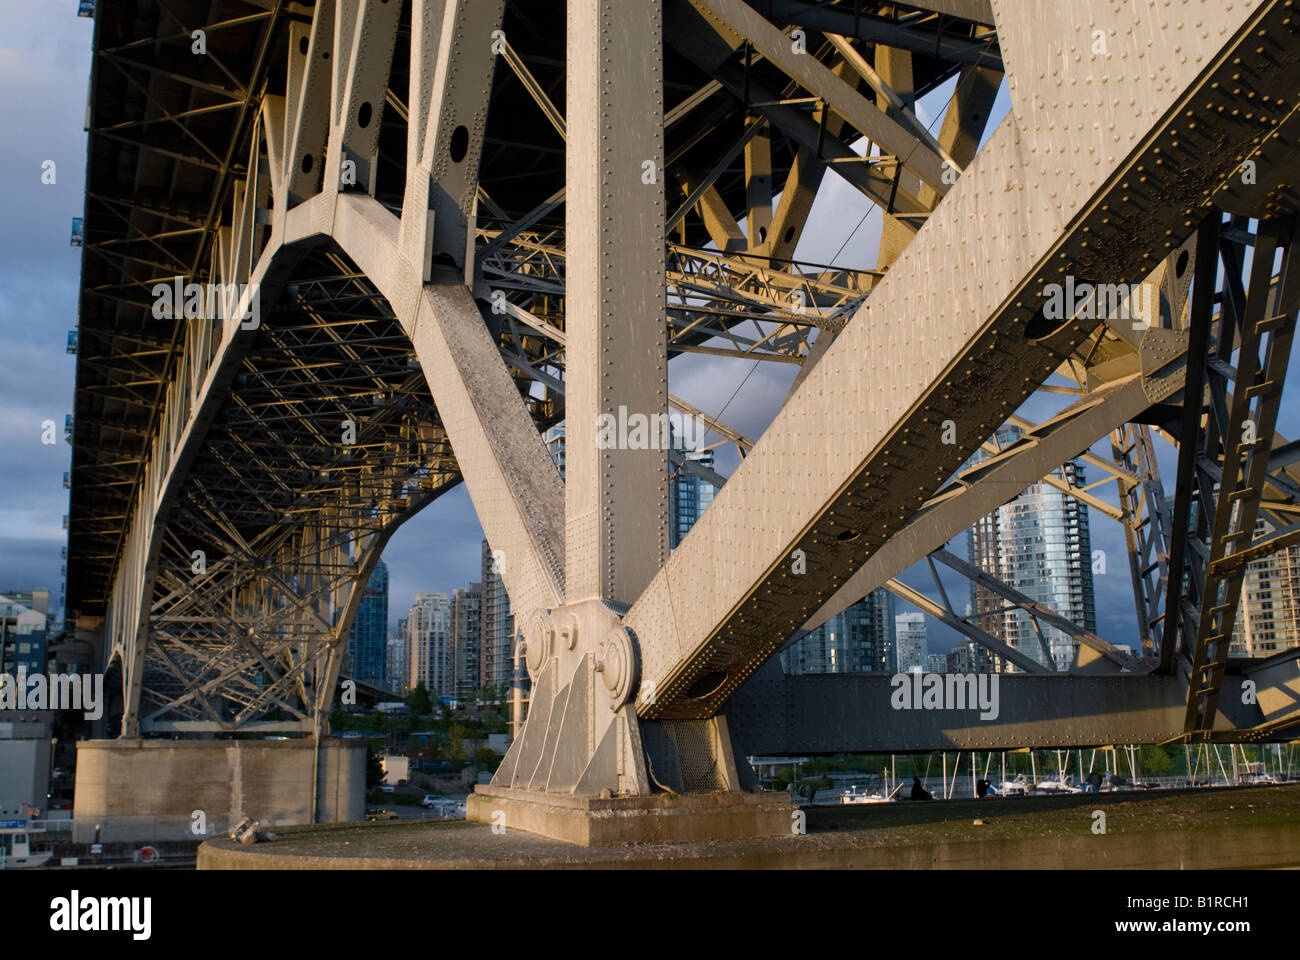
x,y
398,662
1268,613
1039,544
968,657
688,496
860,639
429,630
466,627
911,642
367,650
496,627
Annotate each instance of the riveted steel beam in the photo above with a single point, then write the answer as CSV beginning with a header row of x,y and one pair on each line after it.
x,y
616,488
776,714
987,345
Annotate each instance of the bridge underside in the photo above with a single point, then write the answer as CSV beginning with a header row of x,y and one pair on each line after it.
x,y
325,441
447,227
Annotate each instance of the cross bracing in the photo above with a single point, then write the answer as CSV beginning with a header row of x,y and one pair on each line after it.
x,y
459,242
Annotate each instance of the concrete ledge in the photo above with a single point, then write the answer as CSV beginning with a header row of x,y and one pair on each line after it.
x,y
609,821
1249,828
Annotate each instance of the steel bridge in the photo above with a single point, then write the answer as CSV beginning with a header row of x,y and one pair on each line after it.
x,y
461,222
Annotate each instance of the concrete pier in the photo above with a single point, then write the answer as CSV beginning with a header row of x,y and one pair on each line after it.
x,y
143,790
1223,828
614,821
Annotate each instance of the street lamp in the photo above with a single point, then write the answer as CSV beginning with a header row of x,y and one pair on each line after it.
x,y
49,794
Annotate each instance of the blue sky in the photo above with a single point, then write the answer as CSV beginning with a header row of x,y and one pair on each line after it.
x,y
44,67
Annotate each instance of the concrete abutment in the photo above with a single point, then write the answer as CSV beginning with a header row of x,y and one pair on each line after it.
x,y
142,790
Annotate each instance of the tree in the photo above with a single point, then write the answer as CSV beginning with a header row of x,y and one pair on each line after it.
x,y
493,722
419,700
374,767
455,749
1155,761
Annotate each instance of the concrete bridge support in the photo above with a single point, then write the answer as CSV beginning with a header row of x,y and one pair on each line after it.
x,y
143,790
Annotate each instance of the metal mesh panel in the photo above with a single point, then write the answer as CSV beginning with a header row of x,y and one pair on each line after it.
x,y
699,760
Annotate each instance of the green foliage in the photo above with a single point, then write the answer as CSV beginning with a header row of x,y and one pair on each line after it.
x,y
1156,761
420,701
493,722
487,759
454,747
374,768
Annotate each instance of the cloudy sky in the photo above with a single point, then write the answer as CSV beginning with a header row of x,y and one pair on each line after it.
x,y
44,67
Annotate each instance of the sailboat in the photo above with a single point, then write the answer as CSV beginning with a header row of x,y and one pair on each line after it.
x,y
1019,787
1064,783
858,794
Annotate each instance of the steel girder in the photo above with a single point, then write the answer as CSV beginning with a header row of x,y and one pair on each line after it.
x,y
1230,452
1146,518
1069,184
181,125
779,715
876,453
984,486
189,662
327,441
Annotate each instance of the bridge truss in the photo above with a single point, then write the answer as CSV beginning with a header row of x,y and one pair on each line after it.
x,y
470,220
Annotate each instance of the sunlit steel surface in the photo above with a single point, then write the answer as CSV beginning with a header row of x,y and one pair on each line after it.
x,y
441,204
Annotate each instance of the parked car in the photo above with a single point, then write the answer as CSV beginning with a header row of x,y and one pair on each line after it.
x,y
387,788
445,807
